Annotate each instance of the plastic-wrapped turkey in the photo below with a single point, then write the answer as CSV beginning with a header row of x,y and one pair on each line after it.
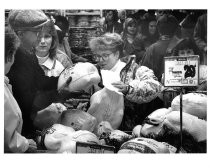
x,y
165,127
192,103
82,75
158,115
60,138
77,119
107,105
112,137
143,145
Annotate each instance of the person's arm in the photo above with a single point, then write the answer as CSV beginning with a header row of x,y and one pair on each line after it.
x,y
147,59
13,140
145,87
199,33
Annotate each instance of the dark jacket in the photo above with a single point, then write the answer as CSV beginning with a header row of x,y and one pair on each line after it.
x,y
28,80
154,56
200,32
135,48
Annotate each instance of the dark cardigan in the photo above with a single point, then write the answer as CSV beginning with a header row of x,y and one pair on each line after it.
x,y
28,80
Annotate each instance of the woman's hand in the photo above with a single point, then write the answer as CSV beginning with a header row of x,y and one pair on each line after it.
x,y
122,87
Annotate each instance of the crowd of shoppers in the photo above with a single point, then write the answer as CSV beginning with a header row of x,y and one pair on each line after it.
x,y
133,46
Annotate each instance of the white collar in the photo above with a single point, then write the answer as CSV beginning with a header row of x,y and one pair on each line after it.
x,y
49,63
46,61
118,65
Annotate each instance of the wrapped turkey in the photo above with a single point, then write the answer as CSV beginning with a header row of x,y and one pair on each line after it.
x,y
202,73
112,137
82,76
107,105
166,128
60,138
192,103
77,119
143,145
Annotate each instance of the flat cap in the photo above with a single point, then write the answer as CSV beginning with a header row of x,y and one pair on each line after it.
x,y
27,19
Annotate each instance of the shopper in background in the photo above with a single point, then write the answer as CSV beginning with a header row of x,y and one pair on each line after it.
x,y
122,16
111,23
149,33
154,55
138,84
200,36
138,16
185,47
188,47
188,24
34,74
63,37
13,140
132,41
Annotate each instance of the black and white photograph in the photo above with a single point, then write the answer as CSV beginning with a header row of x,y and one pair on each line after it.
x,y
105,81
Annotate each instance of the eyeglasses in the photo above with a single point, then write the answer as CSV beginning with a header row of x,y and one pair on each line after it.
x,y
104,57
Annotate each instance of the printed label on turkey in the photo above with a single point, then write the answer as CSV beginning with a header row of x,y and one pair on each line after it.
x,y
82,147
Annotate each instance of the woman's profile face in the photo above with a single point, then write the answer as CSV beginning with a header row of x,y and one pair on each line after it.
x,y
44,42
152,27
131,29
106,59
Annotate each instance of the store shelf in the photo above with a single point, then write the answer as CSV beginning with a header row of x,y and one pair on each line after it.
x,y
84,13
84,27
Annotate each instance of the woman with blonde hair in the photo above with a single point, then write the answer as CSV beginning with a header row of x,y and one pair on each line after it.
x,y
138,83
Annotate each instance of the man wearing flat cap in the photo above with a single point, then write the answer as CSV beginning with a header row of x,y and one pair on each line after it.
x,y
26,76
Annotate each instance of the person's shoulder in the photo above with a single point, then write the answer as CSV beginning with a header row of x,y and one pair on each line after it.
x,y
154,45
203,17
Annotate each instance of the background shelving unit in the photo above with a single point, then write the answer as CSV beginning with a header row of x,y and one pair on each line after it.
x,y
84,24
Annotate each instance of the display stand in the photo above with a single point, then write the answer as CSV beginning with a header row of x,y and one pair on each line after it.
x,y
181,71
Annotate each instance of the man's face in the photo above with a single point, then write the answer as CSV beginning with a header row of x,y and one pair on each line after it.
x,y
109,16
28,39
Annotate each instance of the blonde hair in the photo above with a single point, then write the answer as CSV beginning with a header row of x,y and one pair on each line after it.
x,y
109,41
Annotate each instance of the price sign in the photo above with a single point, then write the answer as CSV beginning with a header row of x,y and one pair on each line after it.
x,y
181,71
82,147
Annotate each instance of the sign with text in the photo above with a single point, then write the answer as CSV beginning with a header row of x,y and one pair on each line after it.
x,y
181,71
82,147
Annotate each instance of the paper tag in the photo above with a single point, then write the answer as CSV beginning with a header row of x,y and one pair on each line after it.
x,y
82,147
181,71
